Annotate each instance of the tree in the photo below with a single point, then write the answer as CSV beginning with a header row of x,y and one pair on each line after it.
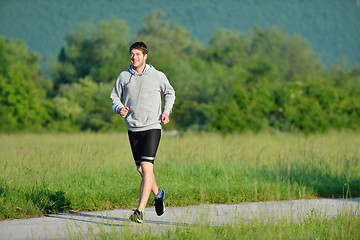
x,y
292,55
263,79
227,48
164,39
23,104
96,51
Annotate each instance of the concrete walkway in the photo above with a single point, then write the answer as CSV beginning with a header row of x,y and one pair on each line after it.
x,y
82,225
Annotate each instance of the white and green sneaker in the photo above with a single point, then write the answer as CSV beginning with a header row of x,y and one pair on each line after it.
x,y
137,216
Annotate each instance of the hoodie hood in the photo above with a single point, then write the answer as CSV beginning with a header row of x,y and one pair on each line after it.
x,y
135,73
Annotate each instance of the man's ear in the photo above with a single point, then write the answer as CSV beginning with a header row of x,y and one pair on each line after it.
x,y
145,56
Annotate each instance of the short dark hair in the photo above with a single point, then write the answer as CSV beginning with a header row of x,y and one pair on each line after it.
x,y
140,46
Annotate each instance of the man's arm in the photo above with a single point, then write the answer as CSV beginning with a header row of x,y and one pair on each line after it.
x,y
116,97
169,95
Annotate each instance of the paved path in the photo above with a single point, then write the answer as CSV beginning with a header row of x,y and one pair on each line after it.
x,y
66,225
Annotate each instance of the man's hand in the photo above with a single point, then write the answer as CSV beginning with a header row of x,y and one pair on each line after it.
x,y
124,111
165,118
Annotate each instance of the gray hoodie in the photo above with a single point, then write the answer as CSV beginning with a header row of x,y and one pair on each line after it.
x,y
141,92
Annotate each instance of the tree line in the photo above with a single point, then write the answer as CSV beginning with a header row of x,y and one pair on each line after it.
x,y
264,79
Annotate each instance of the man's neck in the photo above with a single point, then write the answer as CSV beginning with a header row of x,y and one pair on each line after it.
x,y
140,69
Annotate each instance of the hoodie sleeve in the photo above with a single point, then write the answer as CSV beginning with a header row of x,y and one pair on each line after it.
x,y
169,94
116,96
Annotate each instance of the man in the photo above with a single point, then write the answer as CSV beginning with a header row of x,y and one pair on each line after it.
x,y
136,96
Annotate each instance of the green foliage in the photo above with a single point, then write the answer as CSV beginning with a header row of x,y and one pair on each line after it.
x,y
85,106
265,79
23,105
92,51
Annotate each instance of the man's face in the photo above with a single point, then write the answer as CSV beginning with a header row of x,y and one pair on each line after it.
x,y
137,58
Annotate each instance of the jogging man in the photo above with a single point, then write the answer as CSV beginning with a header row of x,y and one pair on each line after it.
x,y
136,96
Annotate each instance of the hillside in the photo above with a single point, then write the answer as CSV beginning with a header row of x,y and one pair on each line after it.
x,y
332,27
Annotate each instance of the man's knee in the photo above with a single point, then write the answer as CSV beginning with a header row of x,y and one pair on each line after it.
x,y
147,167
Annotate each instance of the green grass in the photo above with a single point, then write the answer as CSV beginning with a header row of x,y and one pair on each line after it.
x,y
314,228
51,172
345,227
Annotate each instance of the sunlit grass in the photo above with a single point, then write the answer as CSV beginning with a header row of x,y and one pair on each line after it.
x,y
342,227
313,227
88,171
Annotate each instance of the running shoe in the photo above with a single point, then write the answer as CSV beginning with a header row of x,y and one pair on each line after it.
x,y
137,216
159,202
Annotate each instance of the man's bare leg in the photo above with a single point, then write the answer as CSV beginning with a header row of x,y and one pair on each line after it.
x,y
148,183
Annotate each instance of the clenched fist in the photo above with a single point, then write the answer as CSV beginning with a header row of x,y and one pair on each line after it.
x,y
165,118
124,111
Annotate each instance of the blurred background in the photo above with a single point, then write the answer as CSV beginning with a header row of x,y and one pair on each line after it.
x,y
244,65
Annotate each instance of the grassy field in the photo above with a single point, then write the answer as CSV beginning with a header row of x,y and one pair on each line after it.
x,y
342,227
52,172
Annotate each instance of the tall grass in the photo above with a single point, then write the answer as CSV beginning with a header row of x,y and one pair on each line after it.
x,y
53,172
315,227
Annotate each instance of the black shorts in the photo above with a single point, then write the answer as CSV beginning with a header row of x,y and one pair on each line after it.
x,y
144,145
